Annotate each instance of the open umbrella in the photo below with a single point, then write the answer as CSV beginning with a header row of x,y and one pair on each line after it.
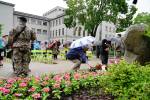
x,y
83,42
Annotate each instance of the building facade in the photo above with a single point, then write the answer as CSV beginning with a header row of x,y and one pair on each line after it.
x,y
39,24
51,25
6,17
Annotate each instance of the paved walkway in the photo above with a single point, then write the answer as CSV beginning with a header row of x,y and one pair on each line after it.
x,y
41,68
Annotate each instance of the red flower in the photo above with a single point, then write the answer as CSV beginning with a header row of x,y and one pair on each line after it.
x,y
18,94
11,81
56,85
44,83
67,76
46,89
8,86
32,89
23,84
76,76
46,78
4,90
57,78
36,95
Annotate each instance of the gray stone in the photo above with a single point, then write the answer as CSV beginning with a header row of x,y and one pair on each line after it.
x,y
137,45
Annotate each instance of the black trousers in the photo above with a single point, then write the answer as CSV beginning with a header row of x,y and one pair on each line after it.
x,y
104,59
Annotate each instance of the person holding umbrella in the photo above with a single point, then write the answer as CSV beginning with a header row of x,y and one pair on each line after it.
x,y
77,52
77,56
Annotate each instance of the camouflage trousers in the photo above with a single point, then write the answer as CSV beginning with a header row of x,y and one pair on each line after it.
x,y
21,59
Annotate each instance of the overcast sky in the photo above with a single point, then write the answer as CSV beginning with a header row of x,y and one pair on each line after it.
x,y
38,7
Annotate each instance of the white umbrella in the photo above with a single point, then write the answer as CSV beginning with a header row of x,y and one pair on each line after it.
x,y
83,42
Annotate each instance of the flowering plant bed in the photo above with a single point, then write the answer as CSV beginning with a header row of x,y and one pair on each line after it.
x,y
74,85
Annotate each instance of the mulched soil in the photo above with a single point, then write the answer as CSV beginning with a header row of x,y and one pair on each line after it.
x,y
89,95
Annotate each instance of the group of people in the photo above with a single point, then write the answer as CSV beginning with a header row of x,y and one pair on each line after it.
x,y
20,41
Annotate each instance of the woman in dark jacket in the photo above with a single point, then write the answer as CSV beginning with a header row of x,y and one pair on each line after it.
x,y
104,51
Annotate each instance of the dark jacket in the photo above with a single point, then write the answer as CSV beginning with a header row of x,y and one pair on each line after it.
x,y
77,53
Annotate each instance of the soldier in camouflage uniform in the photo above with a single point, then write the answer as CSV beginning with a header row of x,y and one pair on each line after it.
x,y
21,47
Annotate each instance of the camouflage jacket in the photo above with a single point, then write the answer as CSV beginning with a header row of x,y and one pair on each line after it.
x,y
24,39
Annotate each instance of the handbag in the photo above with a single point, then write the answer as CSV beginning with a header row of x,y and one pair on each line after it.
x,y
10,51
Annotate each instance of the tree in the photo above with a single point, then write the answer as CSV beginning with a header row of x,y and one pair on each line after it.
x,y
145,19
90,13
142,18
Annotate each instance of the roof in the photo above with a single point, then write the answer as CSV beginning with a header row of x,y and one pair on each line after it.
x,y
53,9
61,15
6,3
30,15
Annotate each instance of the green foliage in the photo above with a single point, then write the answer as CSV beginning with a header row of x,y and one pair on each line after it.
x,y
128,81
145,19
90,13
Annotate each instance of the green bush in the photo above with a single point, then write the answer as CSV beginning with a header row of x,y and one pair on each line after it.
x,y
128,81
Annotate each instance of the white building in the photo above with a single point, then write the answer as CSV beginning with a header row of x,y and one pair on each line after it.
x,y
6,16
105,30
39,24
51,25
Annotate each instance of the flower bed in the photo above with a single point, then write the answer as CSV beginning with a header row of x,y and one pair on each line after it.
x,y
60,86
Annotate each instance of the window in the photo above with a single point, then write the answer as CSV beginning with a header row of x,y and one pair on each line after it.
x,y
38,31
59,21
105,35
62,31
44,31
33,21
109,29
62,20
50,34
53,33
75,31
59,32
114,30
106,28
62,41
56,32
39,22
79,31
83,33
56,22
53,23
45,23
33,29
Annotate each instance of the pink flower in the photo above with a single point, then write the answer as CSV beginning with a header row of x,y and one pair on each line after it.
x,y
44,83
8,86
67,76
4,90
36,95
10,81
46,78
32,89
46,89
56,85
76,76
23,84
18,94
26,79
84,76
57,78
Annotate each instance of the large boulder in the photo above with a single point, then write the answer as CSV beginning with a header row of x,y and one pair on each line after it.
x,y
137,44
